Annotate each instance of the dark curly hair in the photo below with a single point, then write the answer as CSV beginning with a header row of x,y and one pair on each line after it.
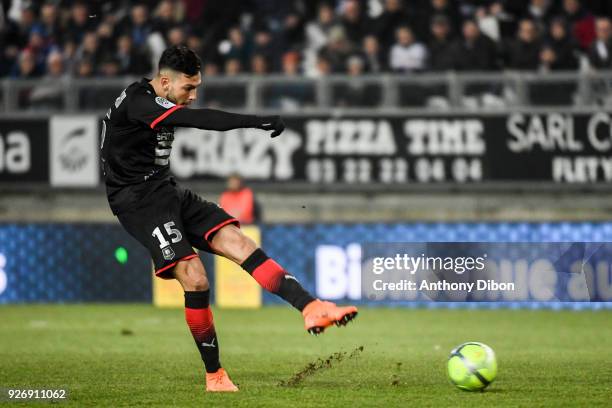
x,y
182,59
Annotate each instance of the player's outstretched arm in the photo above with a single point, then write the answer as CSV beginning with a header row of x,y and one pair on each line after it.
x,y
213,119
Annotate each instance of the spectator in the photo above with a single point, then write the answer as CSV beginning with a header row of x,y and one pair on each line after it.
x,y
323,66
55,66
69,50
259,65
109,67
49,93
495,22
25,69
263,43
84,68
474,51
176,36
19,33
89,48
291,63
39,48
506,20
337,50
557,54
393,16
106,40
130,60
582,22
600,54
317,35
446,8
355,66
563,52
233,67
137,25
292,32
289,95
317,32
214,22
79,22
354,21
26,66
8,58
540,12
374,59
440,46
352,93
9,46
239,201
49,21
194,42
548,58
407,54
165,18
271,28
356,93
237,46
524,52
211,69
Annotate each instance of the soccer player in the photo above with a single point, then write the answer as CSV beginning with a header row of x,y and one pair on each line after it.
x,y
137,135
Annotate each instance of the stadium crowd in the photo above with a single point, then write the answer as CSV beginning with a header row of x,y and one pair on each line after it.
x,y
108,38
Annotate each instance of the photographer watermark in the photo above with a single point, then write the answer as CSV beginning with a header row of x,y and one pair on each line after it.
x,y
411,264
456,272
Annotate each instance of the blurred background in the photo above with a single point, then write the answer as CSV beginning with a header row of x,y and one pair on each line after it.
x,y
413,120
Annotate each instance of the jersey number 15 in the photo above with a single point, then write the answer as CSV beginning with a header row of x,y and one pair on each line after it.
x,y
174,234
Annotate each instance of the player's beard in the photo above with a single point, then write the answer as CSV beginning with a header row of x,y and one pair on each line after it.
x,y
171,97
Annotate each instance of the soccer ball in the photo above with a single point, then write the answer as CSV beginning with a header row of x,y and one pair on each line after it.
x,y
472,366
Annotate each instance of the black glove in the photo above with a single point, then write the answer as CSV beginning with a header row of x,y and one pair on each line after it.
x,y
274,123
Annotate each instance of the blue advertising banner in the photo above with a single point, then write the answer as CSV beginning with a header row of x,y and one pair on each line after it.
x,y
328,258
102,263
72,263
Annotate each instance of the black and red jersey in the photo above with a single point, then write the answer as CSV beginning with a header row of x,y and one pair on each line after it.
x,y
135,146
137,136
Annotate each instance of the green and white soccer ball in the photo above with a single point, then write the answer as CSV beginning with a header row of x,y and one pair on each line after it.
x,y
472,366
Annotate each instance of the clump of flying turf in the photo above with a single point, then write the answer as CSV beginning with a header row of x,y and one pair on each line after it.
x,y
395,377
320,364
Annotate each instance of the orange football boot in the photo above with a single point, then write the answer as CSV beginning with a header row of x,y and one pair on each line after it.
x,y
318,315
219,382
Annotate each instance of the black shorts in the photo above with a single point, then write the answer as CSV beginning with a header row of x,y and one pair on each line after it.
x,y
171,222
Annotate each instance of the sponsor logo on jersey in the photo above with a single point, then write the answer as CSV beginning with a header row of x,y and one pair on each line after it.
x,y
165,136
164,103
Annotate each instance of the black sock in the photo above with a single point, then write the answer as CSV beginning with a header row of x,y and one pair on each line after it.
x,y
271,276
200,321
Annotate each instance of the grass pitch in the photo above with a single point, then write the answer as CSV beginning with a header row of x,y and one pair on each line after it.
x,y
137,355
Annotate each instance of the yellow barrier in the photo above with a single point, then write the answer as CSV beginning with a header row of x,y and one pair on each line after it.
x,y
167,293
234,288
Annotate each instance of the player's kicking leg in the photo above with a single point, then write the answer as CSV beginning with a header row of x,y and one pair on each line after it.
x,y
192,276
230,242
